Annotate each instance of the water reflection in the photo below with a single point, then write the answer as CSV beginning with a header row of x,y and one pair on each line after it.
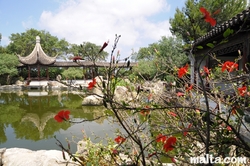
x,y
27,119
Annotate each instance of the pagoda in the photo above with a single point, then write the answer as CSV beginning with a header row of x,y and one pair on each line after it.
x,y
37,59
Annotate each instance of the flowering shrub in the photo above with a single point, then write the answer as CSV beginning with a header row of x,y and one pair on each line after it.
x,y
186,122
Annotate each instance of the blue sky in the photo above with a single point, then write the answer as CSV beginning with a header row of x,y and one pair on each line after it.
x,y
139,22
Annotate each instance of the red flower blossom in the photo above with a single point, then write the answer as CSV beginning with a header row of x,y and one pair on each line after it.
x,y
229,128
119,139
75,58
169,145
92,84
145,112
189,88
172,113
185,132
105,44
242,91
206,70
161,138
182,71
180,94
229,66
207,16
62,115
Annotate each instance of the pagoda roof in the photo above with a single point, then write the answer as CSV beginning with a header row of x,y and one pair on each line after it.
x,y
37,56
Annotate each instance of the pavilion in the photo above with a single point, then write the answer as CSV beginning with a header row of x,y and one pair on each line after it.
x,y
39,59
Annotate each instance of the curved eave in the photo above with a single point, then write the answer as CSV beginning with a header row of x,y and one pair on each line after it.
x,y
31,59
43,58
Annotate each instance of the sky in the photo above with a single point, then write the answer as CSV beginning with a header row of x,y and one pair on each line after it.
x,y
139,22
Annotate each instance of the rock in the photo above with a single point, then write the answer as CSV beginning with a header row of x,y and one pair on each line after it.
x,y
18,82
92,100
123,94
1,154
26,157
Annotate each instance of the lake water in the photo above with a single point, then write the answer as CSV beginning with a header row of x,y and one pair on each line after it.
x,y
27,120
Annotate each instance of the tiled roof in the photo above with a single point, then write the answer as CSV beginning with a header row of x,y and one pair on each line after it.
x,y
37,56
233,23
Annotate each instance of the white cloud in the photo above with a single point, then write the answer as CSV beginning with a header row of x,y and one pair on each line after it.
x,y
28,23
97,21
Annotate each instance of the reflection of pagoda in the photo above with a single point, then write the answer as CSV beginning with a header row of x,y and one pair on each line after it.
x,y
37,59
39,123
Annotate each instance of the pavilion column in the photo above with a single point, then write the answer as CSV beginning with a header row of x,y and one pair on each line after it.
x,y
38,66
28,72
47,72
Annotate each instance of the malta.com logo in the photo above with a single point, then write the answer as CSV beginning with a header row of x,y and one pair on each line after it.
x,y
208,158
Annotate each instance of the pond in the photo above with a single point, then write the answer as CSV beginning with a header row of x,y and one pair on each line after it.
x,y
27,120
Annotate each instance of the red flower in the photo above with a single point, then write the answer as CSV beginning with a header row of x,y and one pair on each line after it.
x,y
180,94
206,70
92,84
169,145
229,128
185,132
62,115
173,114
188,88
105,44
242,91
75,58
182,71
229,66
207,16
144,111
119,139
161,138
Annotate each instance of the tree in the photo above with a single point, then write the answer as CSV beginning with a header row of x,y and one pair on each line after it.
x,y
159,59
8,63
73,73
189,22
24,43
88,51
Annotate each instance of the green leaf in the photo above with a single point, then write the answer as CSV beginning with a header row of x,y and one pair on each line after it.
x,y
211,45
199,47
228,32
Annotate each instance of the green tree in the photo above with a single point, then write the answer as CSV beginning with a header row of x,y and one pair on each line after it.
x,y
159,59
8,64
88,51
24,43
73,73
189,24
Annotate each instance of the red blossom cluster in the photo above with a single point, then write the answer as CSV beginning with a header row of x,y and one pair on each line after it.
x,y
62,116
168,143
182,71
242,90
119,139
229,66
91,85
207,16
